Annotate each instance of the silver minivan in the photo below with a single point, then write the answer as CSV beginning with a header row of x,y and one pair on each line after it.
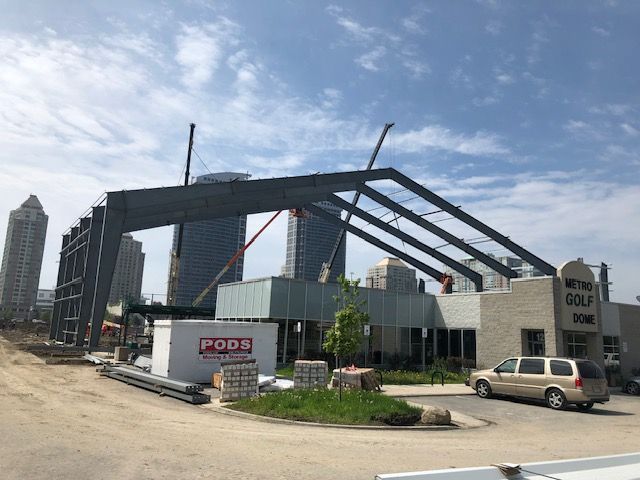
x,y
558,381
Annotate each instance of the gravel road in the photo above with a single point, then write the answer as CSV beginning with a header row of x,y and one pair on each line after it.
x,y
63,421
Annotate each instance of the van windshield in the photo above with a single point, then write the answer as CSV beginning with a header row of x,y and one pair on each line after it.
x,y
589,370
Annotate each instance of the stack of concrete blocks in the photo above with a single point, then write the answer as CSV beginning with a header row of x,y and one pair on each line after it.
x,y
310,374
238,381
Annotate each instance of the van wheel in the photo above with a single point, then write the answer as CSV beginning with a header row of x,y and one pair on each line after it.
x,y
483,389
584,407
556,399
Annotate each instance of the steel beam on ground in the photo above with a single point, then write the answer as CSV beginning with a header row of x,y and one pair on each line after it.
x,y
432,272
180,386
475,277
451,209
452,239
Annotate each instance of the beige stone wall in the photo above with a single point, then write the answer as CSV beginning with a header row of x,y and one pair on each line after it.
x,y
457,311
629,334
530,305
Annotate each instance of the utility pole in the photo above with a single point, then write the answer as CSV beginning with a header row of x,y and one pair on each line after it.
x,y
175,260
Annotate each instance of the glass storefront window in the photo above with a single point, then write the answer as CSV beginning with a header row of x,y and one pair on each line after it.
x,y
577,345
455,343
442,343
469,347
535,343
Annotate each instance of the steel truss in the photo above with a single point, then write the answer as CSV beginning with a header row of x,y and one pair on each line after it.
x,y
90,249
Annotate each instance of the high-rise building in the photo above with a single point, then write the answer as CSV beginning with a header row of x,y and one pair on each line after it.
x,y
127,275
491,280
392,274
22,259
310,241
207,246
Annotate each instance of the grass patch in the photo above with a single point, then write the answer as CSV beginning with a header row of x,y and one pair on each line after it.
x,y
323,406
286,372
405,377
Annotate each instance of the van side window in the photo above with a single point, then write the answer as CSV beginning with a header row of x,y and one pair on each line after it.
x,y
508,366
558,367
534,366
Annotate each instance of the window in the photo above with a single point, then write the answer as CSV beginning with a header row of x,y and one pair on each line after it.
x,y
534,366
577,345
508,366
611,344
589,369
559,367
535,343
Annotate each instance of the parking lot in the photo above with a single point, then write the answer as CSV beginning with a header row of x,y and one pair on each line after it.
x,y
621,411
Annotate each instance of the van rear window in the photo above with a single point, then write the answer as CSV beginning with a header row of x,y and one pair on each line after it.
x,y
559,367
589,370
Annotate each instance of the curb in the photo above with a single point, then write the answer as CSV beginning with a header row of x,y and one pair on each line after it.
x,y
456,424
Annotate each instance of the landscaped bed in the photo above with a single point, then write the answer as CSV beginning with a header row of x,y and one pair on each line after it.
x,y
323,406
405,377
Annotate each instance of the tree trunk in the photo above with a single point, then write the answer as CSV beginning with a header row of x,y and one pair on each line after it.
x,y
339,378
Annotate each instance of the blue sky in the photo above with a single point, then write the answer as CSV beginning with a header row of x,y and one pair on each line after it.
x,y
526,114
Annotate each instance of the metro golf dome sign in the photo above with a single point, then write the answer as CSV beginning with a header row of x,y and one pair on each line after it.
x,y
579,291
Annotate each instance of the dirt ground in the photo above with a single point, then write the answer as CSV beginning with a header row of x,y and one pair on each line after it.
x,y
63,421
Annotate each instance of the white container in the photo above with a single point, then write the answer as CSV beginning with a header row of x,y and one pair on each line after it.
x,y
192,350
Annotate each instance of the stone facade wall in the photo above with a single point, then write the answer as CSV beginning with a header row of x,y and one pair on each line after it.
x,y
310,374
530,305
239,381
457,311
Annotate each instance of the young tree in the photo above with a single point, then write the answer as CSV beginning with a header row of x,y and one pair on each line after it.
x,y
345,336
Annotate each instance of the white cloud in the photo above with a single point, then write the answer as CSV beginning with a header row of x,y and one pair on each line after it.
x,y
414,23
369,61
617,109
600,31
485,101
439,138
505,79
331,97
629,130
199,49
494,27
417,69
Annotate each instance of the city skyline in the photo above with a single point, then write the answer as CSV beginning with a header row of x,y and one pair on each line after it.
x,y
526,116
207,246
310,243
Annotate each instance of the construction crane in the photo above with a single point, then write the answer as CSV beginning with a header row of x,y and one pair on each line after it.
x,y
175,257
325,272
233,260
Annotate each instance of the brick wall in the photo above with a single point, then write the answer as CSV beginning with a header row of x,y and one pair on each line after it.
x,y
238,381
309,374
530,305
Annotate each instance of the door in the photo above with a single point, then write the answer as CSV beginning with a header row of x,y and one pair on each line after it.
x,y
503,381
531,380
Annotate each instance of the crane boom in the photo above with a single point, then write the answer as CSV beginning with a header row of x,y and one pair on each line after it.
x,y
233,260
327,266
